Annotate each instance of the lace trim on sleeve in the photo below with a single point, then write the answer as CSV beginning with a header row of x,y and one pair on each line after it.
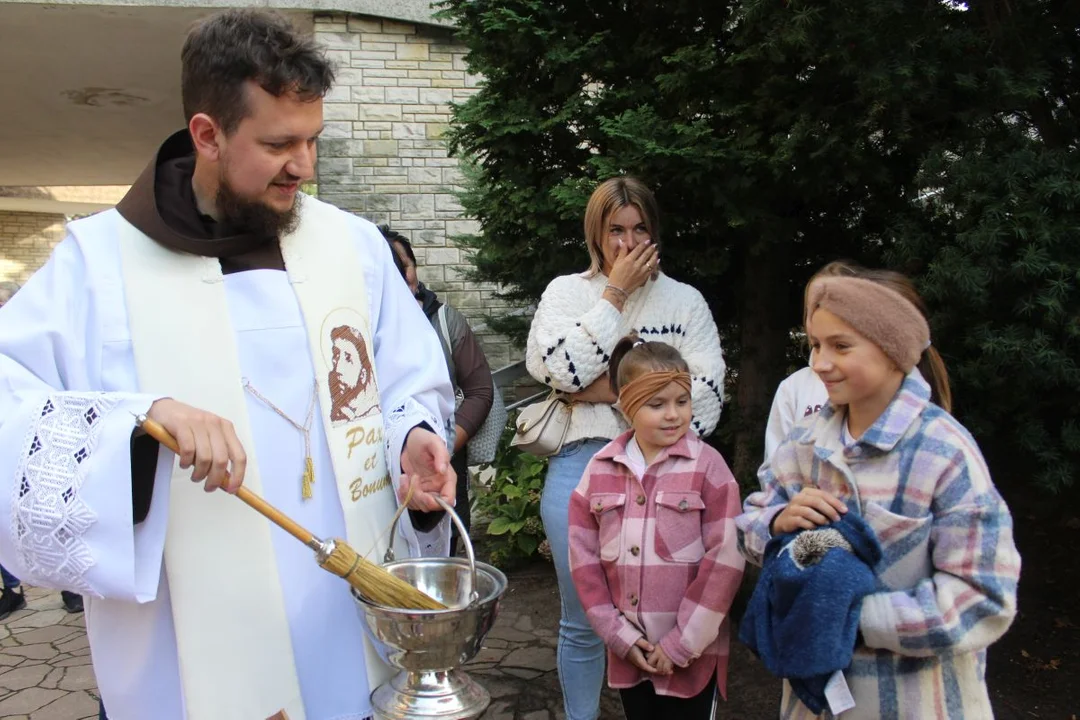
x,y
402,419
49,517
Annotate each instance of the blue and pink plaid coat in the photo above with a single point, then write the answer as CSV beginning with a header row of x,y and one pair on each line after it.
x,y
947,580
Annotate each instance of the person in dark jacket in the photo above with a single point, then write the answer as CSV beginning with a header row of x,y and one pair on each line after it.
x,y
469,370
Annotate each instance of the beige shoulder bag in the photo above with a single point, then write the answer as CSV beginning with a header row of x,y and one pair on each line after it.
x,y
541,427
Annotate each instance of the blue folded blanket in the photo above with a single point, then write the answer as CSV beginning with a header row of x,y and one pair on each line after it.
x,y
803,617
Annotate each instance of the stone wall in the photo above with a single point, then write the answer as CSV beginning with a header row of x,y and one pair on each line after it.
x,y
382,155
26,239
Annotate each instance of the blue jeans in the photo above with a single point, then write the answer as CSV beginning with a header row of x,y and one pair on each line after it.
x,y
10,581
581,653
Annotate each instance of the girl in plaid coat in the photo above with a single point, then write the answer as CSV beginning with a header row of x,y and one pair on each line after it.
x,y
653,551
946,584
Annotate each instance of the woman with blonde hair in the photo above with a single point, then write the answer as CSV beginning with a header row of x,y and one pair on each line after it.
x,y
580,319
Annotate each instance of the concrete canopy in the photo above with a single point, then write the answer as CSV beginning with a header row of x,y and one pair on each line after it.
x,y
90,90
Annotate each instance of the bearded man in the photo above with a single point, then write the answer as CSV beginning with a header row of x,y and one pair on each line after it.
x,y
208,301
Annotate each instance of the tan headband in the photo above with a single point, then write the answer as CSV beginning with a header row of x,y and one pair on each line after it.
x,y
637,392
878,313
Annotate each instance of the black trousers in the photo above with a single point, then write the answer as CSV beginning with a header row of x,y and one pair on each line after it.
x,y
642,703
460,463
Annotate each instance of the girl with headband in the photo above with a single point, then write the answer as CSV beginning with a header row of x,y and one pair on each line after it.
x,y
946,583
803,393
653,551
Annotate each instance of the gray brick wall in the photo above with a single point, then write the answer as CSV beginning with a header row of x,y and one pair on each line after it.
x,y
26,239
382,155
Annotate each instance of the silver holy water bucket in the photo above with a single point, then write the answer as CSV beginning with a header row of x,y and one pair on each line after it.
x,y
430,646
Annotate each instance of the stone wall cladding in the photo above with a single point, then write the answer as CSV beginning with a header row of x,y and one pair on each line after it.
x,y
382,156
26,240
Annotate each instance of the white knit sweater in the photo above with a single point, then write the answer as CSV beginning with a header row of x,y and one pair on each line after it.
x,y
575,330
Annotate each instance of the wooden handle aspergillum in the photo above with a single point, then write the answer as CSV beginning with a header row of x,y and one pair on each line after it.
x,y
373,582
157,431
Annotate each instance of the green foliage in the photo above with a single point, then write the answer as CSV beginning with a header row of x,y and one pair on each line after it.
x,y
781,134
512,503
754,122
997,248
999,258
776,136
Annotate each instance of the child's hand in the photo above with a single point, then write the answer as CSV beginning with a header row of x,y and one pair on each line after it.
x,y
810,508
659,660
637,656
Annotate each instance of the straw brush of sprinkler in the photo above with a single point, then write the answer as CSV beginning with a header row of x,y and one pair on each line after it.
x,y
334,556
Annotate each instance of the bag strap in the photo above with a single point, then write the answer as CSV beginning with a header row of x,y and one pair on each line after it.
x,y
447,347
568,398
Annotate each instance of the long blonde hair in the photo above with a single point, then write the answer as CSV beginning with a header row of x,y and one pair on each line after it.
x,y
609,197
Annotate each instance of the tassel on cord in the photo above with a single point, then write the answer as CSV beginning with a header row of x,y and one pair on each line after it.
x,y
309,479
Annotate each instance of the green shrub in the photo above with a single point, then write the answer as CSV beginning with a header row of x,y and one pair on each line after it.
x,y
511,502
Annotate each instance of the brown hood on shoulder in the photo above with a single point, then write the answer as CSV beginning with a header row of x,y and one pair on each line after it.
x,y
161,204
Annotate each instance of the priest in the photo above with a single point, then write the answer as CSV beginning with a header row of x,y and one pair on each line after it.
x,y
215,299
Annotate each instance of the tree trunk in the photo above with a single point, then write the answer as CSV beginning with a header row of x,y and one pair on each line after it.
x,y
764,330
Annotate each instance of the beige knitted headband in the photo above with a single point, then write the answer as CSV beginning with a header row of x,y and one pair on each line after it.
x,y
637,392
878,313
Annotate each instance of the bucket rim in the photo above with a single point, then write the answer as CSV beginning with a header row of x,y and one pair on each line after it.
x,y
499,577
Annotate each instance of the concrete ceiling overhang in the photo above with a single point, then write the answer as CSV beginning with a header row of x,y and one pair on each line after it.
x,y
69,201
89,91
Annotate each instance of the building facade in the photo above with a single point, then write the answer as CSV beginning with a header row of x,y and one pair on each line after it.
x,y
382,154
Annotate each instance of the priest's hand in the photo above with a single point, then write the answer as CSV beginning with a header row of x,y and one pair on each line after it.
x,y
425,464
208,444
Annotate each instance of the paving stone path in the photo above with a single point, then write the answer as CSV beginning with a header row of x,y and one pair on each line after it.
x,y
45,670
46,673
517,663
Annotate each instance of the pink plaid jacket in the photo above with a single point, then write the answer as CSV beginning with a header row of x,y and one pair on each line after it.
x,y
659,559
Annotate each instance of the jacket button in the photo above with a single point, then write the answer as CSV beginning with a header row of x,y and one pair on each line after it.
x,y
635,551
683,505
640,499
599,507
633,600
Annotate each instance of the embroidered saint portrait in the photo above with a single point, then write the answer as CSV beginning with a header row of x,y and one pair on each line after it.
x,y
353,393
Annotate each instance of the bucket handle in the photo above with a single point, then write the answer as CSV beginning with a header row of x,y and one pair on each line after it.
x,y
474,596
